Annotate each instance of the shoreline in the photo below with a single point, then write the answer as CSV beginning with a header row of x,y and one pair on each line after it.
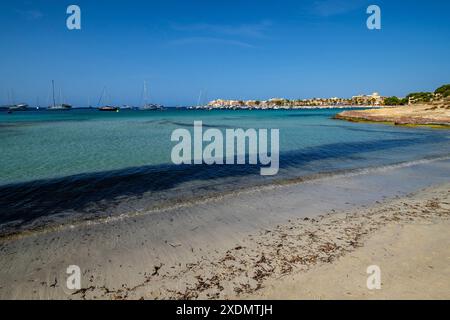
x,y
390,123
41,228
417,116
227,252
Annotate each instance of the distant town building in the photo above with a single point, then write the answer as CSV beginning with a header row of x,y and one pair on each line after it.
x,y
375,99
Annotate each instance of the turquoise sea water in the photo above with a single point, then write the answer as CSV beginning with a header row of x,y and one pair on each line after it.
x,y
85,163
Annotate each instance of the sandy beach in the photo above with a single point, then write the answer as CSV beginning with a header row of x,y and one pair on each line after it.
x,y
327,258
248,245
224,151
413,256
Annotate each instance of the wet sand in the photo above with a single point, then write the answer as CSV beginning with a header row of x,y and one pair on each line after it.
x,y
232,247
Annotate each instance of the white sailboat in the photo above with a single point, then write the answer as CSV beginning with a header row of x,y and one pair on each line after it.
x,y
201,100
61,106
19,107
149,106
13,106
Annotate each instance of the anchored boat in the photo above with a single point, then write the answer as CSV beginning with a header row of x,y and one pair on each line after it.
x,y
62,106
106,108
149,106
109,108
18,107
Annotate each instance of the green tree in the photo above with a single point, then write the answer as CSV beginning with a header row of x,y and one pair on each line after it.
x,y
444,90
420,97
392,101
404,101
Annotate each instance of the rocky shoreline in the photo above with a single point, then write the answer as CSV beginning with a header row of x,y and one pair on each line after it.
x,y
420,115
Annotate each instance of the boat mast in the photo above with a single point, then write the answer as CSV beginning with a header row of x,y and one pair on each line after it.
x,y
53,90
101,97
199,98
145,94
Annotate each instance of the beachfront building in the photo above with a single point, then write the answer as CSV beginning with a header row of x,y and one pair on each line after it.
x,y
252,104
224,104
374,100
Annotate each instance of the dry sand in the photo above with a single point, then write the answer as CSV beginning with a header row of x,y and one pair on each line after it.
x,y
265,244
414,261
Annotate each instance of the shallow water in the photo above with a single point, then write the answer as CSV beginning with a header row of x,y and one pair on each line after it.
x,y
83,164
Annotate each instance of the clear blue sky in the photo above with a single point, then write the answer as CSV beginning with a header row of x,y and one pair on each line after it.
x,y
246,49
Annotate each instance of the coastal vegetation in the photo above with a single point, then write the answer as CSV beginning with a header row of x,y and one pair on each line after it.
x,y
395,101
420,97
444,91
